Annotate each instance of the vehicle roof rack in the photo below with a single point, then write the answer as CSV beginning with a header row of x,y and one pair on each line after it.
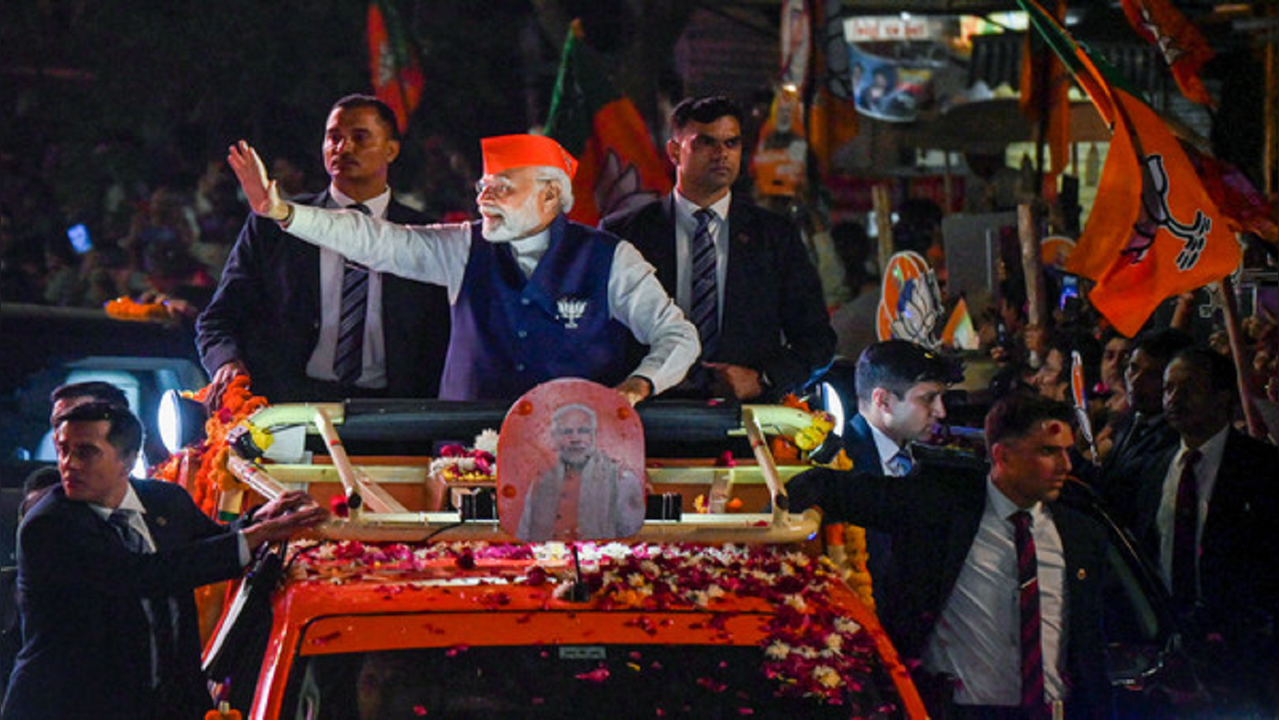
x,y
377,516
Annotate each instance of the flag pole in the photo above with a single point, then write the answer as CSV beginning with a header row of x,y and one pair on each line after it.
x,y
1270,165
883,225
1032,268
1243,370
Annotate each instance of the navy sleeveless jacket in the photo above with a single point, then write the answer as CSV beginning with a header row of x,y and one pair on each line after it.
x,y
511,333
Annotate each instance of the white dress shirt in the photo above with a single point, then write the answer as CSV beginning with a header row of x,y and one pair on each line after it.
x,y
977,639
685,227
438,254
1205,479
887,449
332,266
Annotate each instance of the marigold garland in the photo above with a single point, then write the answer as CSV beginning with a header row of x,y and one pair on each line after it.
x,y
213,478
845,544
126,308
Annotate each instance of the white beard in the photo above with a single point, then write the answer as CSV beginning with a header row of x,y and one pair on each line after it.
x,y
500,225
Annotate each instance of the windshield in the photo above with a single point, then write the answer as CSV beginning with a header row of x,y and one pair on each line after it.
x,y
622,680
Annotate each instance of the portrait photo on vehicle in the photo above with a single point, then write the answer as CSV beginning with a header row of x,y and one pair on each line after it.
x,y
555,479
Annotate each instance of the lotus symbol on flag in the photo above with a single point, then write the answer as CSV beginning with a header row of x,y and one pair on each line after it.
x,y
910,303
1154,202
619,187
1168,46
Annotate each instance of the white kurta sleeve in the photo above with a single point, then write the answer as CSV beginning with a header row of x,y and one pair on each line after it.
x,y
435,254
638,300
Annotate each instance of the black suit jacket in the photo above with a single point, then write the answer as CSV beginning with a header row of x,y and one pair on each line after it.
x,y
774,317
1238,586
933,518
266,313
859,445
1138,446
86,650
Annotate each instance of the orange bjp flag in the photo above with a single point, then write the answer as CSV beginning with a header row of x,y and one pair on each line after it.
x,y
1182,45
1154,232
618,163
394,69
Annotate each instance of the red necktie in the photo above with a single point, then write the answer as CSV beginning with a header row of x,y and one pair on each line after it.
x,y
1032,651
1184,526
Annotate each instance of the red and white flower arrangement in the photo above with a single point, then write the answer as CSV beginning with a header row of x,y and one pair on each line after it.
x,y
812,648
458,464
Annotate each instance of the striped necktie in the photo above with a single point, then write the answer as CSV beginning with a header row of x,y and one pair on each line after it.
x,y
1184,526
704,308
901,463
348,360
1032,651
131,538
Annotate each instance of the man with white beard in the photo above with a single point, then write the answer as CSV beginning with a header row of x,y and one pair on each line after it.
x,y
534,295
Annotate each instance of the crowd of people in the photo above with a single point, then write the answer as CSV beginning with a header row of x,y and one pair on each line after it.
x,y
170,236
349,293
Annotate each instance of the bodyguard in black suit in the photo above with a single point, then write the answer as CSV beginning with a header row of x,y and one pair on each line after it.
x,y
110,631
268,316
772,332
899,400
1215,491
1142,435
952,591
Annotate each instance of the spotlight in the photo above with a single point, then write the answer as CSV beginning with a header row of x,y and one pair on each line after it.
x,y
181,420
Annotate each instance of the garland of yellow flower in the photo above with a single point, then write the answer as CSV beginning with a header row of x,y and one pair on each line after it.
x,y
213,479
126,308
846,544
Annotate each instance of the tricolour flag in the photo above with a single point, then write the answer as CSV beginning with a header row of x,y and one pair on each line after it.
x,y
959,332
1182,45
1153,232
393,65
618,165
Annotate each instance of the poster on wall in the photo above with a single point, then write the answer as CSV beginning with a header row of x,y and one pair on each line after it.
x,y
780,156
892,61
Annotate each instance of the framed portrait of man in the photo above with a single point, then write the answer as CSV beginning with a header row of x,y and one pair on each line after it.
x,y
570,464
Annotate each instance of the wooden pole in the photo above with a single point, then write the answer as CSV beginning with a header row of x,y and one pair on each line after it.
x,y
1031,265
947,185
1243,362
1270,113
883,225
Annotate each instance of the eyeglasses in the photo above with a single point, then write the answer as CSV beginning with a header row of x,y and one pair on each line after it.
x,y
497,187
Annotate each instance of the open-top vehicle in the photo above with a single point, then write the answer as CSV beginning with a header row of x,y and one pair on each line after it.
x,y
408,608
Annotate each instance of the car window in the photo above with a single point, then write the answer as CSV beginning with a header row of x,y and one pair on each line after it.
x,y
615,680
